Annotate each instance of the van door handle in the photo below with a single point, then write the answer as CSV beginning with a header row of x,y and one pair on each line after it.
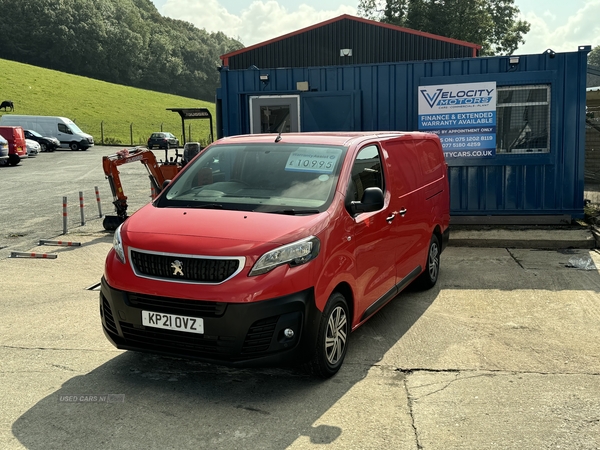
x,y
402,212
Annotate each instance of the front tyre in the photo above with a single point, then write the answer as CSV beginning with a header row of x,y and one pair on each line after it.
x,y
429,277
332,340
74,146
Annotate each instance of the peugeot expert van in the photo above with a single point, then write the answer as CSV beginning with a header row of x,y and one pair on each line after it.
x,y
271,249
61,128
17,147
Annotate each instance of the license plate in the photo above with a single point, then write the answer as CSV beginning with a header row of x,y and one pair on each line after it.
x,y
173,322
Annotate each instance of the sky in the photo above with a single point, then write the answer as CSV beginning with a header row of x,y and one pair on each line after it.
x,y
559,25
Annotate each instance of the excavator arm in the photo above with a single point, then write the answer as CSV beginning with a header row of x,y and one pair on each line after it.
x,y
157,173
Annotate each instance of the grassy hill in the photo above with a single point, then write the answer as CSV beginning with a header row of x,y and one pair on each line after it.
x,y
109,112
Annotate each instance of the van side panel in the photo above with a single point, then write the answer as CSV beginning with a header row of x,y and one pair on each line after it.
x,y
411,223
35,123
435,174
420,184
45,126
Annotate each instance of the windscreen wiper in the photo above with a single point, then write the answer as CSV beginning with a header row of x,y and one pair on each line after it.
x,y
246,196
208,206
294,212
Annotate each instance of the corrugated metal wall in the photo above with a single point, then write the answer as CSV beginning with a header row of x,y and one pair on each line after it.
x,y
505,185
369,43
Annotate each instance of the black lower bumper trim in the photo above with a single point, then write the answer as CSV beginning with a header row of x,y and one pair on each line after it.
x,y
249,334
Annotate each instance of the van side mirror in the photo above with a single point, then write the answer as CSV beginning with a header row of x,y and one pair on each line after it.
x,y
372,200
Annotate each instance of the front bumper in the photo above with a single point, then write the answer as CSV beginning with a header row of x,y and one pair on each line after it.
x,y
242,335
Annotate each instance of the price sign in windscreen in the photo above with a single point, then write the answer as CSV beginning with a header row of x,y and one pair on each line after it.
x,y
318,160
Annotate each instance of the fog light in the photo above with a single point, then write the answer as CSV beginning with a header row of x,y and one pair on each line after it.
x,y
288,333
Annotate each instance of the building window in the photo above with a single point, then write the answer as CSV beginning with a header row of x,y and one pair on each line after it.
x,y
523,119
275,119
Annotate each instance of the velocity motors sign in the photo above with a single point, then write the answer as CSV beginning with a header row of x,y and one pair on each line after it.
x,y
462,115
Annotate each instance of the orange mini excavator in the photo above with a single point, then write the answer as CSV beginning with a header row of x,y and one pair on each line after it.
x,y
158,172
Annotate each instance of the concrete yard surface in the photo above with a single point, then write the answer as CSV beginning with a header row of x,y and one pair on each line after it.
x,y
502,353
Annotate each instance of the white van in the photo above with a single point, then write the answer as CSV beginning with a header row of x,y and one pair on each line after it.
x,y
65,130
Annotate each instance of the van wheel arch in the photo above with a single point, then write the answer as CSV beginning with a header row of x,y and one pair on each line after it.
x,y
345,289
332,337
430,275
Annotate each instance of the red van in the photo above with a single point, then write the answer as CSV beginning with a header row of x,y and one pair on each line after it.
x,y
17,148
271,249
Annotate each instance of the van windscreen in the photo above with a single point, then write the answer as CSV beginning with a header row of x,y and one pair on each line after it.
x,y
259,177
73,126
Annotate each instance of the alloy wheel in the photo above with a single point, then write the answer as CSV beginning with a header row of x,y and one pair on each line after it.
x,y
336,334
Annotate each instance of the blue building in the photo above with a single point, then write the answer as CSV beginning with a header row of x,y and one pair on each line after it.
x,y
512,127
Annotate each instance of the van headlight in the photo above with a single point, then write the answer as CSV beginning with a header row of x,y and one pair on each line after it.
x,y
294,254
118,245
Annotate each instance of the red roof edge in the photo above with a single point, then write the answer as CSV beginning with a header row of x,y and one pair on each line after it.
x,y
475,47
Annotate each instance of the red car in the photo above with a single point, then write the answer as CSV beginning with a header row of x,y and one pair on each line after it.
x,y
270,249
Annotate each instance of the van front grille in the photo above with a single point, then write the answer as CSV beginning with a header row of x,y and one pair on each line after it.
x,y
184,268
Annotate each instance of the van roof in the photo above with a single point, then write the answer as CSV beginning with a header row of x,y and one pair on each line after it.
x,y
331,138
10,127
23,116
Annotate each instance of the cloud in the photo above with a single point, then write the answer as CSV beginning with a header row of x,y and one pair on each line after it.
x,y
267,19
581,28
261,21
549,15
208,14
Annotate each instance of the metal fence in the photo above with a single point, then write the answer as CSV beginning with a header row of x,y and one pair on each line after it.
x,y
109,132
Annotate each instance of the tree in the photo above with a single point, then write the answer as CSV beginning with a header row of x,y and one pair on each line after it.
x,y
119,41
594,56
491,23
